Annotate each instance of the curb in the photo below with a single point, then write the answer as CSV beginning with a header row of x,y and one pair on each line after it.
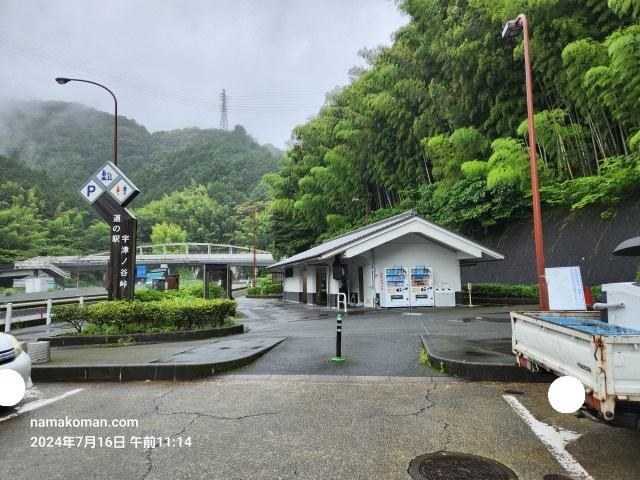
x,y
481,372
179,336
140,372
265,297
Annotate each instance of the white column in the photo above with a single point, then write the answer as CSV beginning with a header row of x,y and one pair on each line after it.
x,y
312,298
7,322
49,311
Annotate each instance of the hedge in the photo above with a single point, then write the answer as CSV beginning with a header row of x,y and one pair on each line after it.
x,y
147,316
267,289
195,290
498,290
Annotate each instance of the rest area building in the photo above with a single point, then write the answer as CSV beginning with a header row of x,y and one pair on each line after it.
x,y
403,261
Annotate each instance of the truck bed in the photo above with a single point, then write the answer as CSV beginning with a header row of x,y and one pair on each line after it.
x,y
604,357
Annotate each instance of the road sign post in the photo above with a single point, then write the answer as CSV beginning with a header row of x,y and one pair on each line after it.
x,y
109,191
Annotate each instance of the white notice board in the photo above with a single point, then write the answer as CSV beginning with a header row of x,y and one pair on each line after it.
x,y
565,288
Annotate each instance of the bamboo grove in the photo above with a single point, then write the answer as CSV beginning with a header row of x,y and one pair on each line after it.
x,y
437,122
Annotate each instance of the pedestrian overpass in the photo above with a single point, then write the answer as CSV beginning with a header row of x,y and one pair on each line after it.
x,y
169,254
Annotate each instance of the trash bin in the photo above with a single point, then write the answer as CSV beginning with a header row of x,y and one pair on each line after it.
x,y
444,297
39,352
174,282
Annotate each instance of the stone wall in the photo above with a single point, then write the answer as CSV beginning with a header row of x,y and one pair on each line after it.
x,y
581,239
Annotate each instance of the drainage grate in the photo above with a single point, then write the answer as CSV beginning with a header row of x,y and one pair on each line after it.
x,y
556,476
458,466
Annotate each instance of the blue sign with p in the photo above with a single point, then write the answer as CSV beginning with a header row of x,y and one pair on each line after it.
x,y
91,191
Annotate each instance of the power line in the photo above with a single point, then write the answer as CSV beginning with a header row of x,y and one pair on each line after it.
x,y
44,55
241,102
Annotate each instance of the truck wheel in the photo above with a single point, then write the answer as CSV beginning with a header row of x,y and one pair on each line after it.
x,y
627,416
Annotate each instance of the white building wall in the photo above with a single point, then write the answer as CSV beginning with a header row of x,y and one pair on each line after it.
x,y
293,286
333,288
411,250
311,285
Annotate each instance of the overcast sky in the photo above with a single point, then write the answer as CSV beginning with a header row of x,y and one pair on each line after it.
x,y
167,61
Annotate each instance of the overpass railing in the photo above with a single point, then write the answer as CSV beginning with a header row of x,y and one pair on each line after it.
x,y
9,307
196,249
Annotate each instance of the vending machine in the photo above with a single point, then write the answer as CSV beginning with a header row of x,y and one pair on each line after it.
x,y
395,287
422,286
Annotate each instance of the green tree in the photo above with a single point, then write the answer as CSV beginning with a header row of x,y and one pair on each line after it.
x,y
21,229
167,233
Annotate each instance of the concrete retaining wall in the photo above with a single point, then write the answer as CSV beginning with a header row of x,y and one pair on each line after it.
x,y
581,239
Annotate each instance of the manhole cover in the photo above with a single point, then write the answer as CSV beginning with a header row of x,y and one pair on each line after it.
x,y
458,466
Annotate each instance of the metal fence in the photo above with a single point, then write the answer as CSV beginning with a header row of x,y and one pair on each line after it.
x,y
9,307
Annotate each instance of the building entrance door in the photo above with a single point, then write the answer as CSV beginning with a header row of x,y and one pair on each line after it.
x,y
321,286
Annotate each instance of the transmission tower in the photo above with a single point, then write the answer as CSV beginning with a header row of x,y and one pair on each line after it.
x,y
223,111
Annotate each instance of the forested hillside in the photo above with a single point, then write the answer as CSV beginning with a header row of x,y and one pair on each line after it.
x,y
438,122
197,185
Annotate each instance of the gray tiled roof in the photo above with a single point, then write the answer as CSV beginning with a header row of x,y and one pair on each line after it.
x,y
345,239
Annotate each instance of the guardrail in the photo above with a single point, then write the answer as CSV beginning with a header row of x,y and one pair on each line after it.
x,y
25,305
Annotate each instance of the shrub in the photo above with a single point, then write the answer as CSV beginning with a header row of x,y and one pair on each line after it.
x,y
149,295
262,281
272,289
101,315
498,290
195,290
266,289
74,315
121,317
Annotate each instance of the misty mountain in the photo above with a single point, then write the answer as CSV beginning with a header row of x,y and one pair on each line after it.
x,y
70,142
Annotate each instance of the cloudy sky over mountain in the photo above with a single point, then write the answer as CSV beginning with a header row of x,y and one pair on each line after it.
x,y
167,61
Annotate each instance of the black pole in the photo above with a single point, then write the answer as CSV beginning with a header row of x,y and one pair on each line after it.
x,y
339,357
339,338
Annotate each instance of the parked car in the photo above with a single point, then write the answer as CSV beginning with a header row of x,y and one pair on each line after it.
x,y
13,356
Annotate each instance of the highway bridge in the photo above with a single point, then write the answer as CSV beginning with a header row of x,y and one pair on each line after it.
x,y
170,254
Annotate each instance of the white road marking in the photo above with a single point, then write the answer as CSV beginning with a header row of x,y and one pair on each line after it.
x,y
27,407
554,438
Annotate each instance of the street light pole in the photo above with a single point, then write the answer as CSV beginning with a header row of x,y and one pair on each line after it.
x,y
255,246
512,29
62,81
366,209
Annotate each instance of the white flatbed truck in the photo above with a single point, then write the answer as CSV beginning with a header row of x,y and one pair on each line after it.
x,y
600,348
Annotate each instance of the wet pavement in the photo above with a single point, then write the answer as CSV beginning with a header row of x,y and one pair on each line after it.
x,y
469,342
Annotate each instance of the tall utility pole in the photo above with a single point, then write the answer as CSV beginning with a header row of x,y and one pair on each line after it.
x,y
255,245
512,29
224,125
